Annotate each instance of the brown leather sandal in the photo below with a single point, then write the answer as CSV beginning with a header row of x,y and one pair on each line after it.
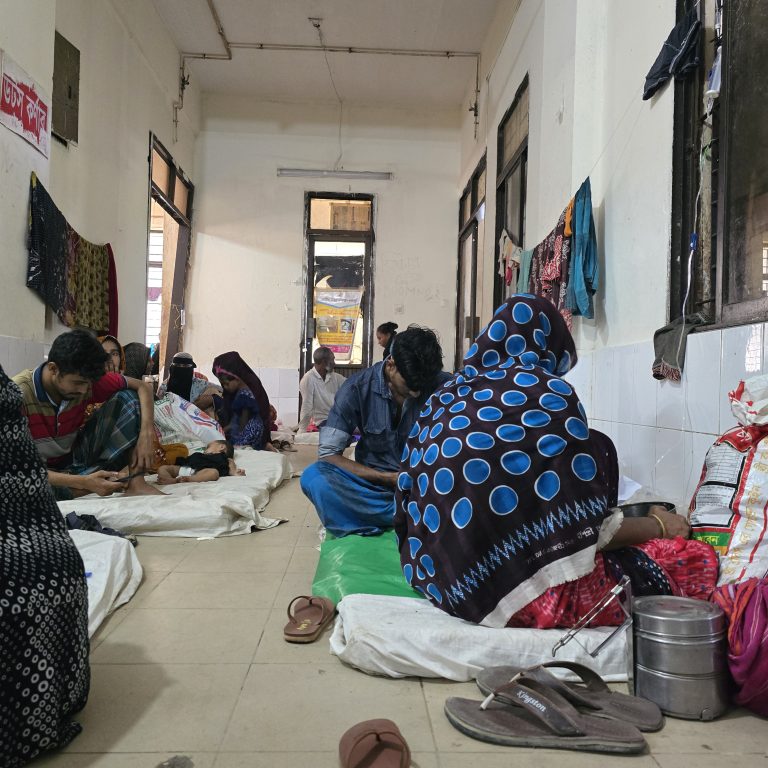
x,y
307,618
374,744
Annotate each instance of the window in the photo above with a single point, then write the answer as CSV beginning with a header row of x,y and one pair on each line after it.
x,y
469,286
729,275
65,99
339,279
511,182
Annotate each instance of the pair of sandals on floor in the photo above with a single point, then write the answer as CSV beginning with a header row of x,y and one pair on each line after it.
x,y
523,708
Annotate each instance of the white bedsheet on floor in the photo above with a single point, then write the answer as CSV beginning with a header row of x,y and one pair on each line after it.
x,y
113,573
402,636
231,505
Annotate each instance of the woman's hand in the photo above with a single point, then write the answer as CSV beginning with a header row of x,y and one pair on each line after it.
x,y
675,525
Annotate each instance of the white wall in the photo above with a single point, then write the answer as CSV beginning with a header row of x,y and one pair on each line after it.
x,y
128,82
587,61
245,290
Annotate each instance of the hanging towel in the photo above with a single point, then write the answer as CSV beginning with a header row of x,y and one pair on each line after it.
x,y
666,343
678,56
524,276
583,272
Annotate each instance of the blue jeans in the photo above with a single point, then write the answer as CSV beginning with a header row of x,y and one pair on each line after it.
x,y
346,503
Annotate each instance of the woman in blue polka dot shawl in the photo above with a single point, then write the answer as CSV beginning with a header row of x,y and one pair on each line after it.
x,y
505,494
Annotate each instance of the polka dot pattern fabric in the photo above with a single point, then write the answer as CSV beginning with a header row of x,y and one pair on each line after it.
x,y
44,672
501,481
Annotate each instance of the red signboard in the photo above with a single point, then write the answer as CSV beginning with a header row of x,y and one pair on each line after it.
x,y
24,108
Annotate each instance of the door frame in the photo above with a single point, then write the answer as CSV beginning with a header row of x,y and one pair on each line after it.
x,y
312,236
183,245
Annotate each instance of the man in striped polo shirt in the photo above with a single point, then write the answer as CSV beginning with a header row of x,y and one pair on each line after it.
x,y
85,456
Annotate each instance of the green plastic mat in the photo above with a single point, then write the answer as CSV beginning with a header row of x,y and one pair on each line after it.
x,y
355,565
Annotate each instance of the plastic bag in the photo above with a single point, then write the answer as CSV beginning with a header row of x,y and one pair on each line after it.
x,y
360,565
178,421
728,509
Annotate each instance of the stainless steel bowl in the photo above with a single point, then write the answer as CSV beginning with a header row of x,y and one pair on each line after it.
x,y
642,508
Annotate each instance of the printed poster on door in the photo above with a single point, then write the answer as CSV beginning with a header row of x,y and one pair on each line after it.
x,y
336,313
24,107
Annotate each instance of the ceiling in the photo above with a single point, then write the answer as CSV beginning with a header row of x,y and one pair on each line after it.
x,y
363,79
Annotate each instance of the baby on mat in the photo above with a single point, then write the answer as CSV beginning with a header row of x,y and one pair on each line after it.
x,y
203,467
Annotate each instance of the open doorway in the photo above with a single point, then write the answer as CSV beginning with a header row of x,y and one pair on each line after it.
x,y
170,221
339,280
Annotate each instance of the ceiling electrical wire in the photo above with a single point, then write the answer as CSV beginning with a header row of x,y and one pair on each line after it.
x,y
316,25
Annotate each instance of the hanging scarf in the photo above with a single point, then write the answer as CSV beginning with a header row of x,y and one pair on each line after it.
x,y
502,493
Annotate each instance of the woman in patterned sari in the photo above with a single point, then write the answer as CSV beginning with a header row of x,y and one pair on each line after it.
x,y
44,605
505,503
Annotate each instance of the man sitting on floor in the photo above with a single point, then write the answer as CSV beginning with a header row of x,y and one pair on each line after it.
x,y
318,388
383,403
84,455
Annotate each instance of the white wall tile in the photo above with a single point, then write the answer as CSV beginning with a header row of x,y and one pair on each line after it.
x,y
621,383
642,386
288,382
5,354
16,356
33,354
603,384
270,379
701,382
642,455
670,404
741,358
580,379
672,465
622,439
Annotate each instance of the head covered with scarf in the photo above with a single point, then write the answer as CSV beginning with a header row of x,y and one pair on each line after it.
x,y
503,490
113,339
138,359
232,365
180,375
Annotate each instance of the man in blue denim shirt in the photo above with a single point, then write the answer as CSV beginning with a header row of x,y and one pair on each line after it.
x,y
383,403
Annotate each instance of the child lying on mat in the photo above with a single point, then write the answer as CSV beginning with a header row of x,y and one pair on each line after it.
x,y
216,461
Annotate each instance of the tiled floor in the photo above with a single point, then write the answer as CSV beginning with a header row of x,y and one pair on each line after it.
x,y
195,665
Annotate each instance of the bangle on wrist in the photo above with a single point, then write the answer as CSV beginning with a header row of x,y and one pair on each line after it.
x,y
661,525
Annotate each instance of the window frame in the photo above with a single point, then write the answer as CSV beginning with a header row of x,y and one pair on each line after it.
x,y
504,171
469,228
313,235
688,122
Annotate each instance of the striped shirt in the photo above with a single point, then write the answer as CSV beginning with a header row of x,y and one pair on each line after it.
x,y
55,427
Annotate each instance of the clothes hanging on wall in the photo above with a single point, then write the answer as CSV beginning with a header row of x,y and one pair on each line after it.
x,y
47,244
564,266
679,55
509,258
77,279
523,277
549,269
669,343
583,274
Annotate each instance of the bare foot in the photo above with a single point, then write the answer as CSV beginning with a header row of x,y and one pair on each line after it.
x,y
139,487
